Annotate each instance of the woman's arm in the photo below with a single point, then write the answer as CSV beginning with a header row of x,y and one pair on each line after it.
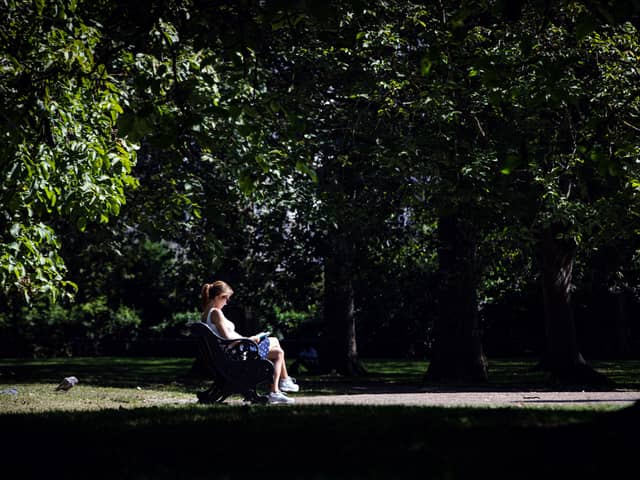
x,y
221,324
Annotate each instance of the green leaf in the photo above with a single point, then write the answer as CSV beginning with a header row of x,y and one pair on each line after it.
x,y
510,163
39,6
246,184
425,66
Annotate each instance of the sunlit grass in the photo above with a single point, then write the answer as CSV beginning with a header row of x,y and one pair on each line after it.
x,y
42,397
126,383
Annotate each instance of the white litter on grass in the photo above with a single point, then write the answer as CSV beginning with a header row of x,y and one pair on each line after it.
x,y
67,384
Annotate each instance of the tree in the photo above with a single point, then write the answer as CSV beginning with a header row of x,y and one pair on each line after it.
x,y
343,74
61,155
472,103
428,102
564,96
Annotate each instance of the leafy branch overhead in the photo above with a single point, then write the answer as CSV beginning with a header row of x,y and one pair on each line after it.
x,y
61,155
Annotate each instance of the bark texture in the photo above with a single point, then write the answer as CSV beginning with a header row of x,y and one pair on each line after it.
x,y
457,353
339,351
562,357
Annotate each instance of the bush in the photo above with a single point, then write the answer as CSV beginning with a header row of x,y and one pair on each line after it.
x,y
174,326
53,329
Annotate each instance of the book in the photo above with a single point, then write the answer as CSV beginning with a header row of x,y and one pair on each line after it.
x,y
263,335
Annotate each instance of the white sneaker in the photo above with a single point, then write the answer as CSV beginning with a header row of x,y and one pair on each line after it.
x,y
279,397
287,385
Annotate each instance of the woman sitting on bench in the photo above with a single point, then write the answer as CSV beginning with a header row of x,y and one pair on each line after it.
x,y
214,298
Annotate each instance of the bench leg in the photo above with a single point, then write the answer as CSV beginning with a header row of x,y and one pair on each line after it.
x,y
253,397
212,395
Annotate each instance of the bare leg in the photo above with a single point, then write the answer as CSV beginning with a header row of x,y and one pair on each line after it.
x,y
283,372
274,345
276,355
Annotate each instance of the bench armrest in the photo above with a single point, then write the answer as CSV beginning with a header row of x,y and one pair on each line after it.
x,y
240,349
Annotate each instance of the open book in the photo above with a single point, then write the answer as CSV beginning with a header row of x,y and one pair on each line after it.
x,y
263,335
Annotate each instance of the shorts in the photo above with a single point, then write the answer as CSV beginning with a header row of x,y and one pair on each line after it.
x,y
263,347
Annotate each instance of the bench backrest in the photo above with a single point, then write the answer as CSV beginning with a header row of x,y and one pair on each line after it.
x,y
235,365
220,354
207,342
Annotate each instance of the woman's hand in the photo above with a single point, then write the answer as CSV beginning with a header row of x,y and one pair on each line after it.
x,y
255,339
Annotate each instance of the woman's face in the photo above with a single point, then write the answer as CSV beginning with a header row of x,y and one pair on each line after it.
x,y
221,300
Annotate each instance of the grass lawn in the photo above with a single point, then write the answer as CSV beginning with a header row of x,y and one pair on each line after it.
x,y
133,418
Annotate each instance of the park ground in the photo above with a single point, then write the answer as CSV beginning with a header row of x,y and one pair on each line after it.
x,y
121,382
136,418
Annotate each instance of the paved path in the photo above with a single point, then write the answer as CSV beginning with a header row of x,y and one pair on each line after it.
x,y
479,399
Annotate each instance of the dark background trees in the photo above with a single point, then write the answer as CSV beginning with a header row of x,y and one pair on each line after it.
x,y
447,181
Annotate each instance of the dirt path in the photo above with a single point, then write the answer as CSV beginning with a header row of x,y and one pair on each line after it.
x,y
527,399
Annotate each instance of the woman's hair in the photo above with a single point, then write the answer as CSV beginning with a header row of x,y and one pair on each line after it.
x,y
212,290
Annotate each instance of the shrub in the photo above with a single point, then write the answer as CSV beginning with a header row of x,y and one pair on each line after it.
x,y
174,326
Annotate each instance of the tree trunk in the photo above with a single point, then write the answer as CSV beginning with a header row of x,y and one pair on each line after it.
x,y
622,334
562,357
339,350
457,353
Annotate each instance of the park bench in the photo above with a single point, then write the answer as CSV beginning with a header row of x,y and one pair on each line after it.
x,y
234,366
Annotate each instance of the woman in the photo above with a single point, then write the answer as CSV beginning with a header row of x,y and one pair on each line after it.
x,y
214,298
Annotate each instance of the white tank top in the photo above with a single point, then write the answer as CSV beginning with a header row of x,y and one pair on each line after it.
x,y
231,328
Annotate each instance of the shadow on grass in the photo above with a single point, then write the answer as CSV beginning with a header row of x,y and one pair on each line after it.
x,y
385,375
226,441
98,371
320,442
406,376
